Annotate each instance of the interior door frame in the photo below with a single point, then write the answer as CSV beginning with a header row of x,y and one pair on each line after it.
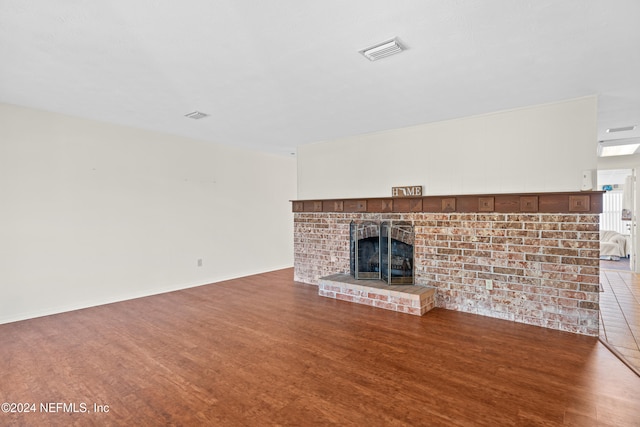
x,y
633,259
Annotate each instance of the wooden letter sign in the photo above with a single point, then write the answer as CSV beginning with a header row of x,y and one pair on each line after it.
x,y
411,191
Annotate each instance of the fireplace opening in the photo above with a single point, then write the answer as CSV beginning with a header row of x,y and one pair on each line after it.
x,y
382,251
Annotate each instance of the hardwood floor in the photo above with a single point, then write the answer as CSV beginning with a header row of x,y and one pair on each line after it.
x,y
264,350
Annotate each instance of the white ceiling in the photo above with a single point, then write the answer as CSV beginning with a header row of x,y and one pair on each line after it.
x,y
280,73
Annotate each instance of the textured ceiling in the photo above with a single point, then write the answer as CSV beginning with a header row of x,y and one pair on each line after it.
x,y
277,74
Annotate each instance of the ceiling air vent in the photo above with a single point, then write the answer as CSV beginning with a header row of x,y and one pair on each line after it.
x,y
196,115
621,129
382,50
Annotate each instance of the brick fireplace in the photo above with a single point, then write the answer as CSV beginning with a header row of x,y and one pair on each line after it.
x,y
539,252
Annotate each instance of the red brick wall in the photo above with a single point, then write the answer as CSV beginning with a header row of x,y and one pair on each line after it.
x,y
544,267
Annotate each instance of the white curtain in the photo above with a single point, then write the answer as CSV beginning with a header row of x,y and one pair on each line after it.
x,y
610,218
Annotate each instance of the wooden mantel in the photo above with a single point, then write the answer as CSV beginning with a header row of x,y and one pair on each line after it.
x,y
568,202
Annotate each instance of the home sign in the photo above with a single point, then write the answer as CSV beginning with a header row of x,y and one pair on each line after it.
x,y
410,191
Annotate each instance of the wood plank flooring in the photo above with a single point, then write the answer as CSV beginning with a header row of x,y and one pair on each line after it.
x,y
264,350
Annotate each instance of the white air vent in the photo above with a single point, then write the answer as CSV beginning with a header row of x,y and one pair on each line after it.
x,y
382,50
621,129
196,115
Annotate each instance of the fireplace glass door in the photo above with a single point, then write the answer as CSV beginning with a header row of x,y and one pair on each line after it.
x,y
365,241
382,251
397,254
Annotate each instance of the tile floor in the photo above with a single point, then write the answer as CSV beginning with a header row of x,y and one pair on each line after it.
x,y
620,312
621,264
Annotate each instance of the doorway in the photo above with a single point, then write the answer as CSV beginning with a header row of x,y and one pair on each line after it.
x,y
617,225
620,283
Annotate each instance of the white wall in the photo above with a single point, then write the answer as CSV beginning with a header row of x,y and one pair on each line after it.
x,y
94,213
619,162
537,149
